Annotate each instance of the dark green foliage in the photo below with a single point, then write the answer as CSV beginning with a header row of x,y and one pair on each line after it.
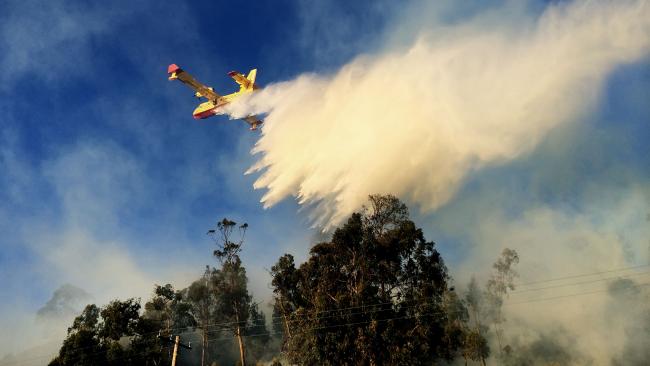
x,y
168,309
82,346
120,319
202,304
475,344
485,307
500,283
377,293
118,335
230,283
233,305
257,333
286,294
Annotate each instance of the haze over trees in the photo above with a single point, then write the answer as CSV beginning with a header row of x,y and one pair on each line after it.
x,y
377,293
216,307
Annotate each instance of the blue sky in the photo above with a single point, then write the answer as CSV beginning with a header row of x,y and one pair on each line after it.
x,y
101,163
95,139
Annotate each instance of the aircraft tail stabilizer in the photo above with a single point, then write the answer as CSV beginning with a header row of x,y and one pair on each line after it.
x,y
251,76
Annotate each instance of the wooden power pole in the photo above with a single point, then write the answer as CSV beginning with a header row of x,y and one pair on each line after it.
x,y
177,343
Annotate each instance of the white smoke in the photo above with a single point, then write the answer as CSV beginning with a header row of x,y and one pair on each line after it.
x,y
415,123
580,313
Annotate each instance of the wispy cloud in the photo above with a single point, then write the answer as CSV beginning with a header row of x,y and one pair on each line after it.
x,y
84,239
38,38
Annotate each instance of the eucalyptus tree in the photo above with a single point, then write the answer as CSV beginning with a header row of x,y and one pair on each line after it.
x,y
229,282
377,293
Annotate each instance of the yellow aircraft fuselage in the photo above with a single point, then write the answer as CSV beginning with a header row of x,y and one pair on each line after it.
x,y
215,102
210,108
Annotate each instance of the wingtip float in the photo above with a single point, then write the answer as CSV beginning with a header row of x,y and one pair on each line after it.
x,y
215,102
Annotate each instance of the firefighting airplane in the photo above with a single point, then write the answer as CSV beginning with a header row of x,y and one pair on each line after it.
x,y
215,101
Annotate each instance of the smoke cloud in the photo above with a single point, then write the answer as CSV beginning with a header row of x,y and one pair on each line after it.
x,y
66,302
417,122
630,309
596,319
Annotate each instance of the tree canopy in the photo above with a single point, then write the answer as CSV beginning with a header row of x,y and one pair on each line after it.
x,y
377,293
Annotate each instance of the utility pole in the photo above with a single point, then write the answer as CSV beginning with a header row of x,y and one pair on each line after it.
x,y
177,343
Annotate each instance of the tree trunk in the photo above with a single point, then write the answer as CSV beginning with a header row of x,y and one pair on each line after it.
x,y
478,329
205,345
497,332
284,316
242,353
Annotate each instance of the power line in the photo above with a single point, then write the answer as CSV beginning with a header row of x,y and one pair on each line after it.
x,y
405,317
581,283
578,294
430,314
584,275
308,314
223,324
370,306
351,314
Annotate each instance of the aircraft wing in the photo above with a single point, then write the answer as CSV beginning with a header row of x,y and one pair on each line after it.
x,y
201,90
254,121
245,82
